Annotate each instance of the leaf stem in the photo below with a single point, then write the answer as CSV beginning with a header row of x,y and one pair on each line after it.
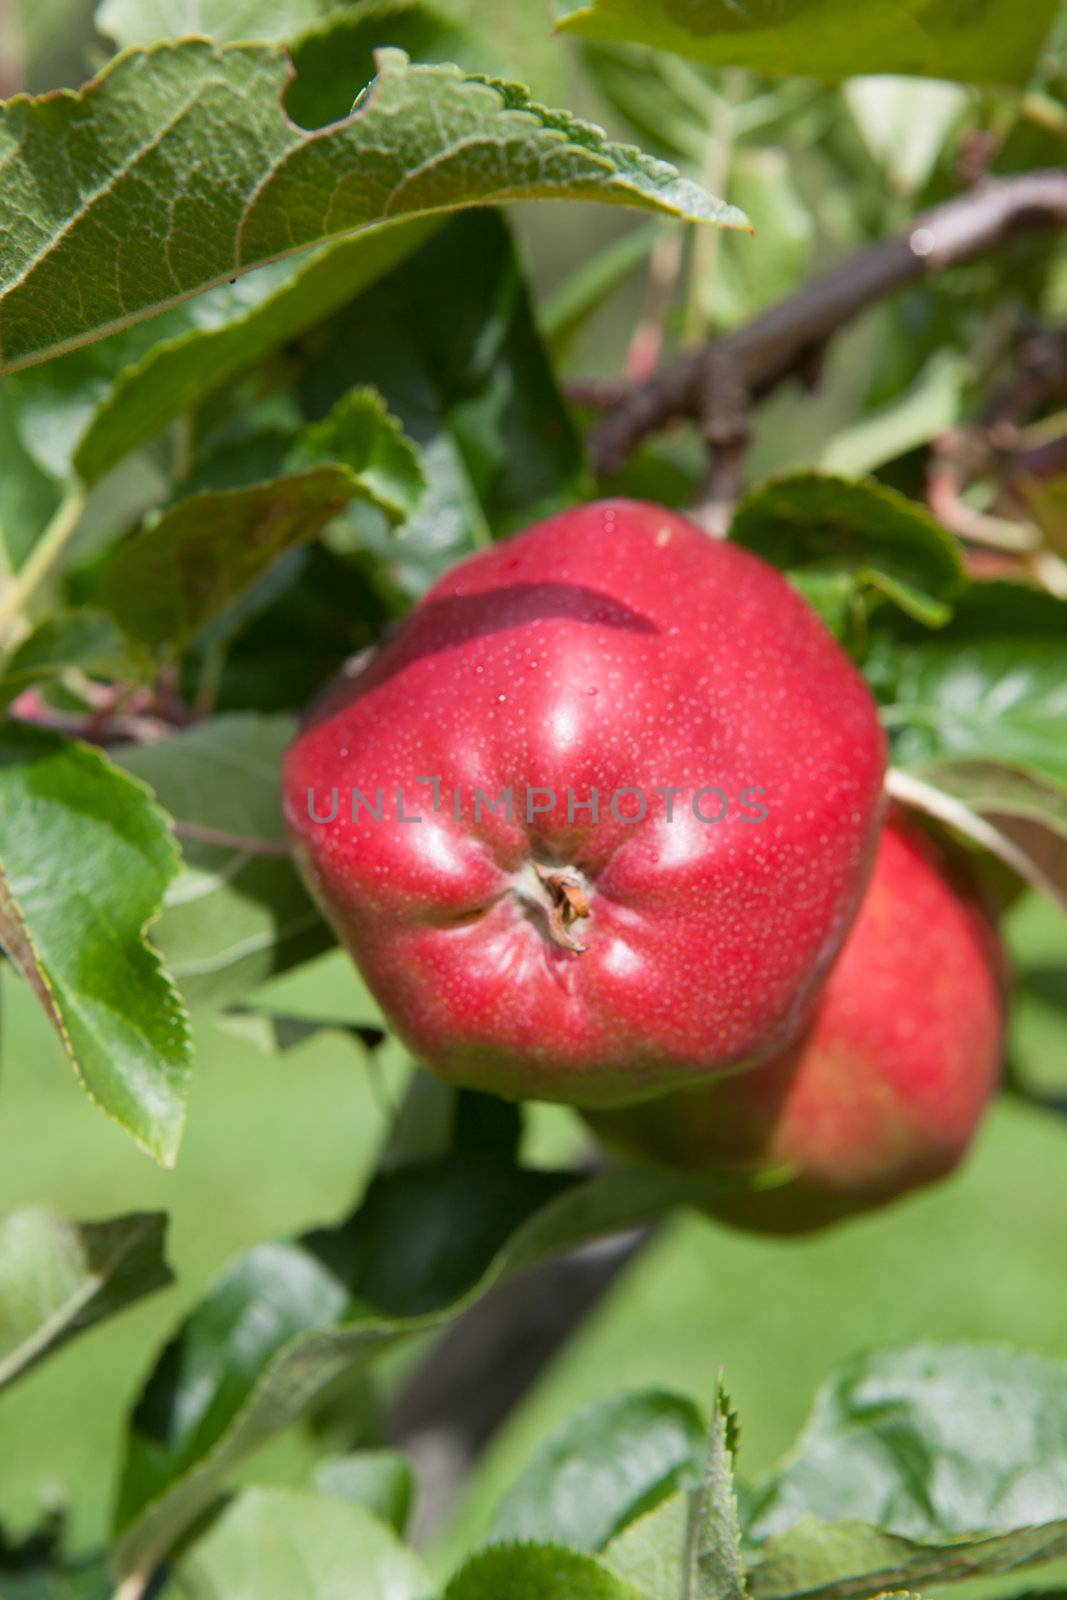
x,y
664,269
718,161
131,1588
44,555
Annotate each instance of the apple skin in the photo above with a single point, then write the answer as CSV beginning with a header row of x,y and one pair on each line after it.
x,y
887,1089
613,645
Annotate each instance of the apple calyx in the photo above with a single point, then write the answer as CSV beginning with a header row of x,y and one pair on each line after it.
x,y
558,897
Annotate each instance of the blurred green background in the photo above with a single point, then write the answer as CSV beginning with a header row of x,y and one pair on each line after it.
x,y
279,1141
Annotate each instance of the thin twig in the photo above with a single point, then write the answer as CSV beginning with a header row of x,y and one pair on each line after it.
x,y
234,841
1047,460
599,394
646,344
1040,375
995,447
951,469
781,341
1050,571
121,728
707,242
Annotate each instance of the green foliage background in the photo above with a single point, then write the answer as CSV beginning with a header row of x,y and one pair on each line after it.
x,y
967,1260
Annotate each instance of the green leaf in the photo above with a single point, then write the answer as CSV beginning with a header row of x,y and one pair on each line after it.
x,y
84,1578
997,42
131,22
993,683
209,549
287,1321
338,51
650,1552
689,1546
87,639
381,1480
519,43
929,1442
58,1278
1020,818
610,1463
331,41
584,291
667,102
833,596
28,494
361,435
904,123
432,1121
932,403
85,859
764,179
177,574
470,384
92,407
1047,500
848,1560
280,644
713,1545
285,1544
534,1572
421,139
809,522
236,914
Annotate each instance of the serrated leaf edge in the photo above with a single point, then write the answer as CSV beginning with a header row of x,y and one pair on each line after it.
x,y
165,1155
515,101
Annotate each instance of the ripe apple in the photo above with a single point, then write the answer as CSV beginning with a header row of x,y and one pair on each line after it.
x,y
687,774
886,1090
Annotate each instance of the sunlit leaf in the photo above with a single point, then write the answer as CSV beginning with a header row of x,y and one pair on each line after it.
x,y
86,639
812,523
286,1321
1018,816
208,549
929,1442
237,913
91,178
85,859
610,1463
991,684
994,42
533,1572
58,1278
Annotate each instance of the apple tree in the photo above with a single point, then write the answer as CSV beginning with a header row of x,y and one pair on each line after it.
x,y
533,799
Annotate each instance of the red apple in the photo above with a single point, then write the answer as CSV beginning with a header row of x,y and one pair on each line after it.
x,y
886,1090
614,652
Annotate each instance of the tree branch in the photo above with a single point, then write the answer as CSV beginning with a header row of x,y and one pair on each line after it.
x,y
489,1359
995,446
753,359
